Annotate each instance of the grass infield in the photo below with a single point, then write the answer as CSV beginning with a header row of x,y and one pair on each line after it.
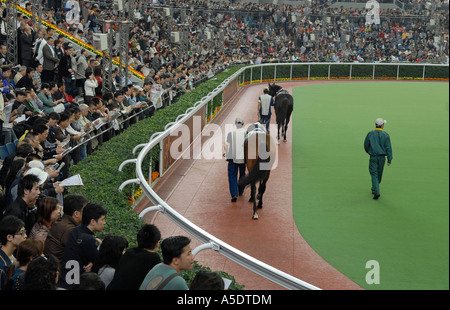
x,y
406,231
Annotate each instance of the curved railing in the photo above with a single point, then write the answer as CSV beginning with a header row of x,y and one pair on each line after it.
x,y
209,241
344,71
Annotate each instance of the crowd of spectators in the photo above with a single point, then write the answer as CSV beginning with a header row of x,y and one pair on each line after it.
x,y
54,111
219,33
55,248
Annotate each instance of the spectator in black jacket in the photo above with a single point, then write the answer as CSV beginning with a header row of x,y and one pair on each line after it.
x,y
26,44
82,236
24,206
27,80
137,262
66,72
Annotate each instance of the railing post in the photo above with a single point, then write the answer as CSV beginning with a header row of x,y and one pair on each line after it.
x,y
373,72
351,68
251,75
275,74
290,75
260,80
150,172
309,70
398,69
423,74
161,172
329,66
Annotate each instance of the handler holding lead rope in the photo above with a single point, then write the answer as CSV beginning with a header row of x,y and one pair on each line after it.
x,y
234,146
265,104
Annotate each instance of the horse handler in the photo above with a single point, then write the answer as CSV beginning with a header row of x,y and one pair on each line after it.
x,y
234,148
378,145
265,104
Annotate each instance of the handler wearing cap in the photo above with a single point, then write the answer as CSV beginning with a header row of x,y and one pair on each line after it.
x,y
265,104
236,161
378,145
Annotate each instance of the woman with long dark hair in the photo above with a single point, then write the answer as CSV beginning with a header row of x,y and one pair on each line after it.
x,y
111,250
42,274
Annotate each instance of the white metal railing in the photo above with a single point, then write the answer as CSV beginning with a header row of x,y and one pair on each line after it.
x,y
350,65
208,240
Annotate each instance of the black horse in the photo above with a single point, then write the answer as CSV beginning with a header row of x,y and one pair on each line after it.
x,y
284,105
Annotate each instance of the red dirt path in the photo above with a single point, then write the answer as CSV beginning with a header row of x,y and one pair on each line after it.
x,y
198,189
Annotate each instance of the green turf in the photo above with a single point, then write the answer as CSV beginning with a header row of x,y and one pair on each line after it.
x,y
407,230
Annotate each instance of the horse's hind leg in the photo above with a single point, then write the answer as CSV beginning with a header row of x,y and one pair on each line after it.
x,y
261,190
286,122
255,215
278,133
252,199
283,130
252,192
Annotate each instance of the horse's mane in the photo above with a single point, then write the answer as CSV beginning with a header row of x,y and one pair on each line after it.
x,y
274,89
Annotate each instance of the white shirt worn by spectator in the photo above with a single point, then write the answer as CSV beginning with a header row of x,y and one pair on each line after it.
x,y
90,86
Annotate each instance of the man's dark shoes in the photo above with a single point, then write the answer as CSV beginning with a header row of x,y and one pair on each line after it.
x,y
376,196
234,199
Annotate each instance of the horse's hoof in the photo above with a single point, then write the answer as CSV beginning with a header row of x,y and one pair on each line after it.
x,y
255,216
278,142
259,206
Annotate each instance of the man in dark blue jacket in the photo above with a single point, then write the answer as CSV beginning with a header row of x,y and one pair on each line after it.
x,y
81,249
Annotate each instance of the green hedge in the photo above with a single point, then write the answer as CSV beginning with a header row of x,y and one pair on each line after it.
x,y
102,179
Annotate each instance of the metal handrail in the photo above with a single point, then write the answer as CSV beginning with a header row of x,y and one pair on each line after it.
x,y
209,241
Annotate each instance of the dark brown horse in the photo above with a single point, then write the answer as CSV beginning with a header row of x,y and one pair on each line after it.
x,y
259,158
283,106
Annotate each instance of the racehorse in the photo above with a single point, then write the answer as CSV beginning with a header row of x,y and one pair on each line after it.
x,y
259,158
284,104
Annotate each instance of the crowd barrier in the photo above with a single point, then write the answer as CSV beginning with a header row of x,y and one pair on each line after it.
x,y
344,71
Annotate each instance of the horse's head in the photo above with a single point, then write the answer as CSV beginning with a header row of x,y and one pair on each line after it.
x,y
273,89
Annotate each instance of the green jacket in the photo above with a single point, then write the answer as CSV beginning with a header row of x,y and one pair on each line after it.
x,y
47,101
378,143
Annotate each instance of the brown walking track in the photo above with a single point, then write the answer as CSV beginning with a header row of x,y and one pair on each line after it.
x,y
198,189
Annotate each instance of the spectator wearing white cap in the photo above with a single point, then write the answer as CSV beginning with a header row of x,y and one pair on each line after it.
x,y
46,186
378,145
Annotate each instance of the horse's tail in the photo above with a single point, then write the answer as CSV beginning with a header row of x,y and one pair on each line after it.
x,y
255,175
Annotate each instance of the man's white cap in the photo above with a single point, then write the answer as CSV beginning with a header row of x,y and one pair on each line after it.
x,y
380,121
39,173
36,164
